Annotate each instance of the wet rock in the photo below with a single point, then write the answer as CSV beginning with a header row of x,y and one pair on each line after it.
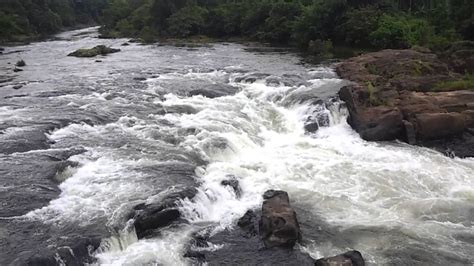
x,y
278,226
392,97
20,63
16,69
125,44
17,87
249,223
139,78
350,258
98,61
149,217
252,78
92,52
311,127
215,91
234,184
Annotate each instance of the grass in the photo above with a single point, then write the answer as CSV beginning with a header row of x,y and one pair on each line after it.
x,y
373,99
466,83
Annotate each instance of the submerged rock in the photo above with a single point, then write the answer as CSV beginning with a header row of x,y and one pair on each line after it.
x,y
234,184
149,217
278,226
92,52
215,91
350,258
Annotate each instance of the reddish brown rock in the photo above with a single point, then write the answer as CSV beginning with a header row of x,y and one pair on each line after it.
x,y
393,97
278,225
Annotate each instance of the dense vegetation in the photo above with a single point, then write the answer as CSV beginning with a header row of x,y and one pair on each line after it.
x,y
311,24
23,19
314,25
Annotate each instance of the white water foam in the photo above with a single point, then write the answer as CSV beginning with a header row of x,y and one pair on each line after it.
x,y
333,173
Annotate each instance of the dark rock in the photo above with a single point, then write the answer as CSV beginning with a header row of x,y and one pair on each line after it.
x,y
125,44
234,184
350,258
249,223
20,63
215,91
16,69
149,217
139,78
252,78
92,52
98,61
17,87
311,127
278,226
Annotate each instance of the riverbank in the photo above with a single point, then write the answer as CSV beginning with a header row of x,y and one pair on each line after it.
x,y
414,96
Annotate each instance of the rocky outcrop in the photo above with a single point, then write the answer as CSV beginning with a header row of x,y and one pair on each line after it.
x,y
398,94
278,226
350,258
92,52
149,217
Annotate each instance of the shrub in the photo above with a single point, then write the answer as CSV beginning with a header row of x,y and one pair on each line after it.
x,y
187,21
357,25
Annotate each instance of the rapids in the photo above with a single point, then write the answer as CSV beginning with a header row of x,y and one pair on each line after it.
x,y
83,142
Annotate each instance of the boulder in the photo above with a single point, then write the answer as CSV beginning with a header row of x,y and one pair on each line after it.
x,y
439,125
149,217
350,258
397,94
278,225
311,127
92,52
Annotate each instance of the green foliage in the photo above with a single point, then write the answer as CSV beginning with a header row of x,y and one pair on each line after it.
x,y
373,99
20,19
320,48
187,21
466,83
357,24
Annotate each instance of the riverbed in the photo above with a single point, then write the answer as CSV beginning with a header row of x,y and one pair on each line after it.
x,y
83,141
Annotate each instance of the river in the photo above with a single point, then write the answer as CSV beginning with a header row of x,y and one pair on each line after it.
x,y
83,142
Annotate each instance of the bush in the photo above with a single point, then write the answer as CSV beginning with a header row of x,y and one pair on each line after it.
x,y
357,25
401,32
187,21
320,48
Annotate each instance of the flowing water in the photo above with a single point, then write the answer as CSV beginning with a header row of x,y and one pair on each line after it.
x,y
125,131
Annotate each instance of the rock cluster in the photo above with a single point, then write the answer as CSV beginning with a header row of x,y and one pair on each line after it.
x,y
399,94
92,52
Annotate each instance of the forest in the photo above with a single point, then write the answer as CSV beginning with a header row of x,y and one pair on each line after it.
x,y
312,25
23,20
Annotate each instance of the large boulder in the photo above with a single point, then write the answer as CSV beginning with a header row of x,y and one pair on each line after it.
x,y
278,225
398,94
92,52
